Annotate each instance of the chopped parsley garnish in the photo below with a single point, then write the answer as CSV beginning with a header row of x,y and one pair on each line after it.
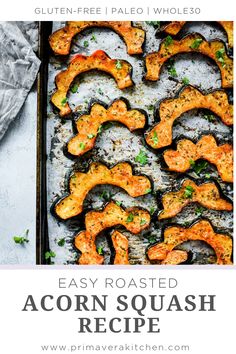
x,y
199,211
141,158
143,222
118,65
185,80
22,239
155,138
168,41
86,44
210,117
100,250
74,88
150,107
152,239
153,23
61,242
220,56
100,129
196,43
93,38
172,71
118,203
188,193
200,166
90,136
49,254
152,210
130,218
207,175
105,195
64,101
82,146
148,191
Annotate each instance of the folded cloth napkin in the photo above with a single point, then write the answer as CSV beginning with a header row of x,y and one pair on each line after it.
x,y
19,66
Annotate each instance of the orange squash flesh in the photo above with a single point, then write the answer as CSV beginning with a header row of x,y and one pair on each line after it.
x,y
175,257
80,184
121,245
88,125
190,98
174,236
174,27
120,70
155,61
206,148
60,41
97,221
206,194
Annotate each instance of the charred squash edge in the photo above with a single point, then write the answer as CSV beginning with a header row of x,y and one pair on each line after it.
x,y
158,119
60,199
198,183
180,24
174,146
215,230
131,48
226,83
107,107
61,94
99,259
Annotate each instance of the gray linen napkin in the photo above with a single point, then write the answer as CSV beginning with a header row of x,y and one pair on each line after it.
x,y
18,69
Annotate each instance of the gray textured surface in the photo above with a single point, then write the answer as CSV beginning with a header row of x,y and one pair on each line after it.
x,y
117,143
18,186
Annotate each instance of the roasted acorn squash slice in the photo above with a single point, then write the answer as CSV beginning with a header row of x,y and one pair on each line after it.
x,y
181,159
88,125
191,43
202,230
120,70
80,184
206,194
133,219
174,27
60,41
189,98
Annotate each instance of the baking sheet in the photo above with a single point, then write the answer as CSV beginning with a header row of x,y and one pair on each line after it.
x,y
117,144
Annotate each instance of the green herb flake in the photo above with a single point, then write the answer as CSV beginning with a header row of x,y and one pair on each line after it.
x,y
100,91
64,101
130,218
148,191
118,64
100,250
49,254
220,56
82,146
192,162
143,222
86,44
118,203
100,129
185,81
141,158
90,136
168,41
153,23
210,117
155,138
172,71
61,242
150,107
199,211
74,88
105,195
200,166
22,239
151,239
207,175
152,210
196,43
188,193
93,38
